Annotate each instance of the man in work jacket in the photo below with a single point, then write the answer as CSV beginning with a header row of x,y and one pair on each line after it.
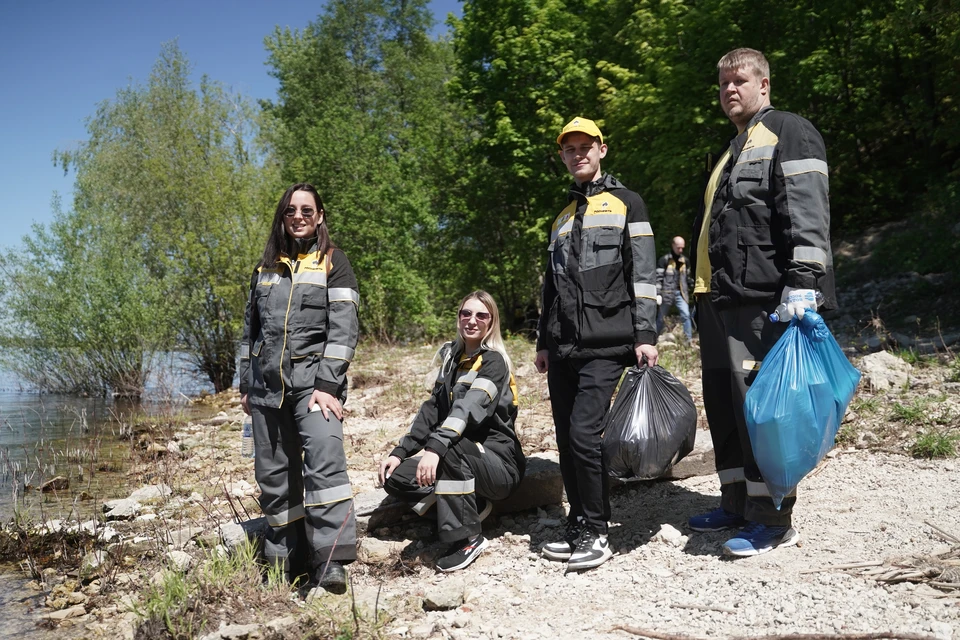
x,y
598,316
672,287
762,237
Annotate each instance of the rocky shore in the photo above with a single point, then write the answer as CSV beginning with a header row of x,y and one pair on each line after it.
x,y
880,529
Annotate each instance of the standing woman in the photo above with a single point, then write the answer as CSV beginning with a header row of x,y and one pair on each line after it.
x,y
471,454
299,335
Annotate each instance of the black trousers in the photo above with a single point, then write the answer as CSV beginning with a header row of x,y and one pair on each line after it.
x,y
580,392
306,496
733,343
466,471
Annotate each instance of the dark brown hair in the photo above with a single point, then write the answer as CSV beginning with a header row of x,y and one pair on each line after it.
x,y
278,242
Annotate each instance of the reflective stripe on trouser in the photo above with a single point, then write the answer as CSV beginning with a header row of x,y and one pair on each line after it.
x,y
733,343
580,392
308,504
463,474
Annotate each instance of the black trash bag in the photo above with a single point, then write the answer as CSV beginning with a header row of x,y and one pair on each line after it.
x,y
651,426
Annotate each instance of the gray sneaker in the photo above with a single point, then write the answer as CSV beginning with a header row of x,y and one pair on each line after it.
x,y
592,551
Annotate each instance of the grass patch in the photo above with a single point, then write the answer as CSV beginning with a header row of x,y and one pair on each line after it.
x,y
935,444
912,414
847,435
864,405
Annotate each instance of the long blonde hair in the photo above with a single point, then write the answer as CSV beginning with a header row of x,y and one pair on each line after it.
x,y
492,341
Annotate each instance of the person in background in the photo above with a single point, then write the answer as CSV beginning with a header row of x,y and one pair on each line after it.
x,y
672,287
299,335
598,316
464,433
762,237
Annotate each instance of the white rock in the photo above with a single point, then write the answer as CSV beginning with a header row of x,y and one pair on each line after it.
x,y
180,560
151,492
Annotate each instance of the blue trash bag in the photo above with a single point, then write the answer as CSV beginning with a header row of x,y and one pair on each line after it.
x,y
651,426
796,403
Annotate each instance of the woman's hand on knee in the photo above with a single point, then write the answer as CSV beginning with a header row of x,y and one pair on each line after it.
x,y
327,403
387,466
427,469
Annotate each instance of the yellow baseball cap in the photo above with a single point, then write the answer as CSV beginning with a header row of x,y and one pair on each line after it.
x,y
583,125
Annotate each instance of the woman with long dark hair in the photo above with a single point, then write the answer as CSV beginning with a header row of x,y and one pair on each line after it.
x,y
465,431
299,335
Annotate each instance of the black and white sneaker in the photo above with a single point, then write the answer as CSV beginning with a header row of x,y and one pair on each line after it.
x,y
592,551
462,553
564,548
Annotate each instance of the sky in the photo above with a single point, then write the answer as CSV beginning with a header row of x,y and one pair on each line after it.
x,y
60,58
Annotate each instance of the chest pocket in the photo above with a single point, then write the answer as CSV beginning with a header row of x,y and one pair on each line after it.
x,y
601,247
750,180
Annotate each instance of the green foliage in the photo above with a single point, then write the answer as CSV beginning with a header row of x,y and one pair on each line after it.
x,y
362,114
80,312
167,221
935,443
913,414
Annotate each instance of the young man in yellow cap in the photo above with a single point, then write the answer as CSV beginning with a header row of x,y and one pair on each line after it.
x,y
598,316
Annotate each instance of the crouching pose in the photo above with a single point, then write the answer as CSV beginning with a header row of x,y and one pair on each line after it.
x,y
471,454
299,335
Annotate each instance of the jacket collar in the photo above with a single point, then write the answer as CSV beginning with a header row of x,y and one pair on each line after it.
x,y
736,145
606,182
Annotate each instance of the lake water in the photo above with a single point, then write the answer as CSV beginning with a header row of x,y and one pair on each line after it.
x,y
42,436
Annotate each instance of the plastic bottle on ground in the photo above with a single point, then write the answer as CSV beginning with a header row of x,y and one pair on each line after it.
x,y
247,450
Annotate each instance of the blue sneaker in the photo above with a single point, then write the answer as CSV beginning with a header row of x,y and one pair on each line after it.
x,y
716,520
756,538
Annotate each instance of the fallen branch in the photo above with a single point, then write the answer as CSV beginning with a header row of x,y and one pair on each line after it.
x,y
881,635
840,567
948,536
701,607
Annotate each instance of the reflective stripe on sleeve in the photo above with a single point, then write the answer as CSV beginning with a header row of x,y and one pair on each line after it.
x,y
485,385
729,476
284,518
793,167
343,294
454,424
454,487
563,230
644,290
245,351
810,254
604,220
421,507
640,229
338,352
467,378
318,278
328,496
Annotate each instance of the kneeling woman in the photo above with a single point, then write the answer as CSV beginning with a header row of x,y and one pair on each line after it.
x,y
471,454
299,336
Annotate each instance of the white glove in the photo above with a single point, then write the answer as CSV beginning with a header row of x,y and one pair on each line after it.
x,y
798,301
659,300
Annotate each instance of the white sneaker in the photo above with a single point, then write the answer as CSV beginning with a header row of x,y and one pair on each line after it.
x,y
592,551
564,548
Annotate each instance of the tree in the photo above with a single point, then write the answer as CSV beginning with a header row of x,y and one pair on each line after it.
x,y
180,170
362,114
171,204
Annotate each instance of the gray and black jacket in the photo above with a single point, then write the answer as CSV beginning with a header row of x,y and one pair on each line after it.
x,y
770,221
473,398
672,278
300,329
599,291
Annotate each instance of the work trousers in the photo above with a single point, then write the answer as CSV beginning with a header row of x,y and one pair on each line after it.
x,y
733,343
466,471
580,392
305,492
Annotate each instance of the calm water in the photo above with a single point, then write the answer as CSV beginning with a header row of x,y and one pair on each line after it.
x,y
42,436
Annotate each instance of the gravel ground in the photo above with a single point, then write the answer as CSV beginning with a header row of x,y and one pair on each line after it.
x,y
857,507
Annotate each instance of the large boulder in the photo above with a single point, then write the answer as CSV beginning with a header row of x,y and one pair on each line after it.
x,y
883,370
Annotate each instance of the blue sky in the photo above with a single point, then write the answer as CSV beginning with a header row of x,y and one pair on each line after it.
x,y
59,59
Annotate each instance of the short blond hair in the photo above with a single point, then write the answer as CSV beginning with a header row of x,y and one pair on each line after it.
x,y
745,59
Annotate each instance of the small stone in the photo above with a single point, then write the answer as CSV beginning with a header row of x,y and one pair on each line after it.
x,y
444,596
151,492
422,630
58,483
64,614
180,561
